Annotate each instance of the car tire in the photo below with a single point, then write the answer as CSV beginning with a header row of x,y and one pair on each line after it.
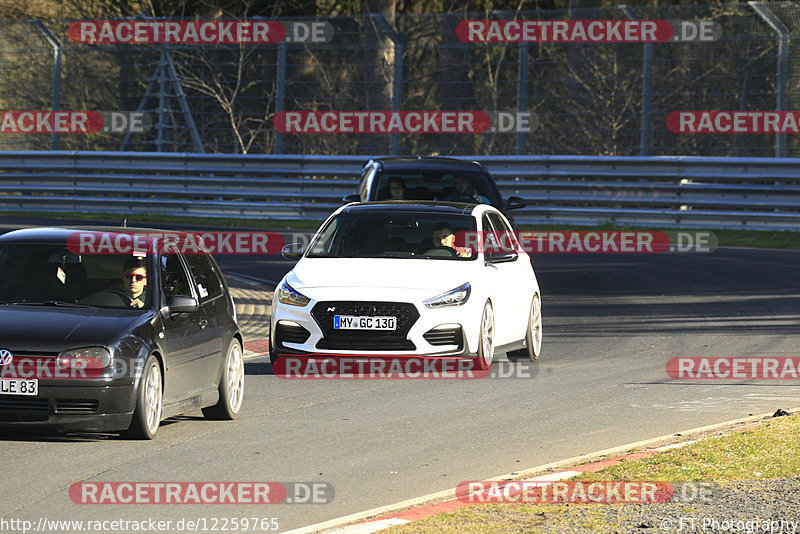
x,y
231,386
149,399
483,360
533,335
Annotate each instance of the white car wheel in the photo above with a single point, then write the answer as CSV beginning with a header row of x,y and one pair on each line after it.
x,y
533,334
534,337
486,340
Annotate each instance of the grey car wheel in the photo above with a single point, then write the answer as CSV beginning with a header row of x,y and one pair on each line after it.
x,y
147,414
231,385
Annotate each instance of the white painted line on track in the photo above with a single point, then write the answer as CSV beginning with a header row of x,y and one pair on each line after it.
x,y
369,528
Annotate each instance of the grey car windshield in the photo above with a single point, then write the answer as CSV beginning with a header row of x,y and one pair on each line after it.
x,y
389,235
51,274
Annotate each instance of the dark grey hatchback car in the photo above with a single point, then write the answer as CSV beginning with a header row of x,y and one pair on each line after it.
x,y
113,338
434,178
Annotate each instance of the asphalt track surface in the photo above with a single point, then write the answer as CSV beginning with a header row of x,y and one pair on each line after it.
x,y
611,322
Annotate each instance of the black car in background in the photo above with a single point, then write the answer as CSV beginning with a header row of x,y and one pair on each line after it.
x,y
78,353
431,178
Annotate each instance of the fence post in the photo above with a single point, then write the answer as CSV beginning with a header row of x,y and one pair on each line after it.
x,y
55,103
397,75
187,113
646,128
280,94
161,125
522,94
783,68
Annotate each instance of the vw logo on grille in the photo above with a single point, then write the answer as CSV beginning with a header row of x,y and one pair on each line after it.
x,y
5,357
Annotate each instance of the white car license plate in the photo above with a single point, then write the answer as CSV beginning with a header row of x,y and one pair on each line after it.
x,y
19,386
364,322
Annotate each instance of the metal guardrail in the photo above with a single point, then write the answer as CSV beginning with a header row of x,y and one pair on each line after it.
x,y
756,193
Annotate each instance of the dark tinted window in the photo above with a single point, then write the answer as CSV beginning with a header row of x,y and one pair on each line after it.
x,y
366,174
174,277
209,283
37,272
504,238
437,185
499,224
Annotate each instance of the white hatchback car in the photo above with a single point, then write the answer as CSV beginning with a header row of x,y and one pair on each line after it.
x,y
372,282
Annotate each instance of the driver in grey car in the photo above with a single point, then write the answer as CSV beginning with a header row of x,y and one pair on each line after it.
x,y
134,281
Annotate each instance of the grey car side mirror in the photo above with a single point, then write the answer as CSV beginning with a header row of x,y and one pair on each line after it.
x,y
180,304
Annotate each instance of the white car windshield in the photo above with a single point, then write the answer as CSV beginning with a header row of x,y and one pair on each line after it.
x,y
395,235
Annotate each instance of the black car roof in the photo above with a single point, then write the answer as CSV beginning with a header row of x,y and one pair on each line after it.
x,y
427,163
60,235
406,206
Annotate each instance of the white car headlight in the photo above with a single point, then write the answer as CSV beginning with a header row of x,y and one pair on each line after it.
x,y
288,295
454,297
86,358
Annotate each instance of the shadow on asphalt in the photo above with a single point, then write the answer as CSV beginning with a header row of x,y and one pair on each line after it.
x,y
258,368
729,291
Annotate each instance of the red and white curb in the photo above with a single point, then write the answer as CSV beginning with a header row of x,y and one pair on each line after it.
x,y
378,519
255,348
424,512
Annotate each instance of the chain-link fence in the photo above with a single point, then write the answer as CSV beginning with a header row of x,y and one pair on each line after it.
x,y
587,98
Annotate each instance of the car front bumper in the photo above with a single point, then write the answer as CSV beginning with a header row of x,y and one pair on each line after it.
x,y
463,322
71,407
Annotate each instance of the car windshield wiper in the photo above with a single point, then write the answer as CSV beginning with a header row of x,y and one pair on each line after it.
x,y
54,303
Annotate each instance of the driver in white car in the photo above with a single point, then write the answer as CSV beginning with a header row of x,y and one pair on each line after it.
x,y
443,236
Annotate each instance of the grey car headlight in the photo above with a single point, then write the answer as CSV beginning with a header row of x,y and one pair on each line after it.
x,y
454,297
85,358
